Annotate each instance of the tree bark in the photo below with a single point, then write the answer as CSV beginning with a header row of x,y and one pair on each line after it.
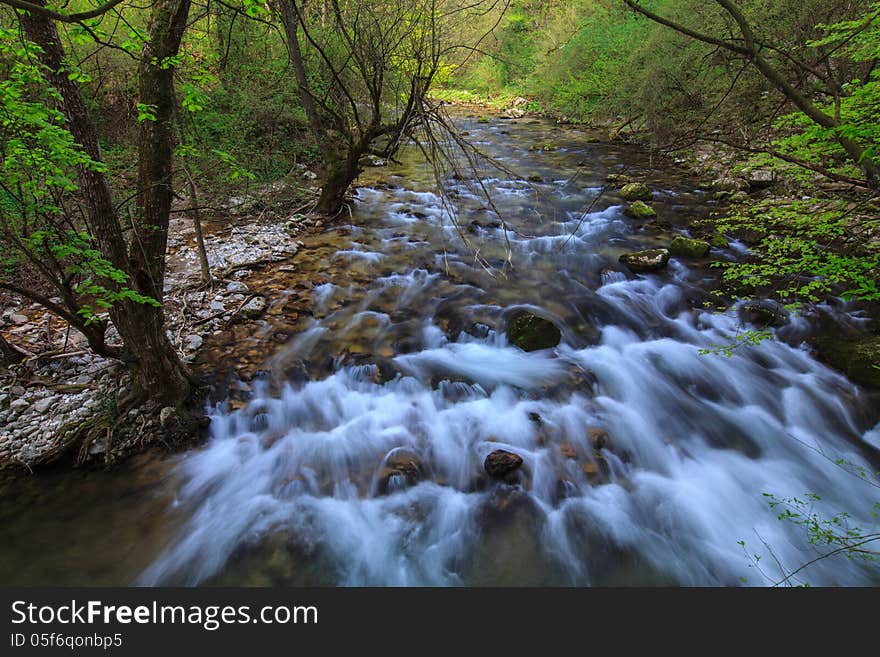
x,y
343,171
156,370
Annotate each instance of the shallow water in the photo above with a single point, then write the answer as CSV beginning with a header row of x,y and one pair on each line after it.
x,y
404,355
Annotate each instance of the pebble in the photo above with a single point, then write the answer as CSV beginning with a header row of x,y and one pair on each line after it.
x,y
44,405
193,342
237,287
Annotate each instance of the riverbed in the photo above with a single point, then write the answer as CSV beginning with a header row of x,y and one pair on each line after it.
x,y
645,460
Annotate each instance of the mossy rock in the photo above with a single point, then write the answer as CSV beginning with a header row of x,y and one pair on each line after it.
x,y
483,119
858,359
689,248
719,242
646,261
640,210
531,333
636,192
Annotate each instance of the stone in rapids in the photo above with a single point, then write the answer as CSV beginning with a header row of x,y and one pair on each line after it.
x,y
646,261
501,463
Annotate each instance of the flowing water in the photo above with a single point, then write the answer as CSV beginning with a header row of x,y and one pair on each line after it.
x,y
357,459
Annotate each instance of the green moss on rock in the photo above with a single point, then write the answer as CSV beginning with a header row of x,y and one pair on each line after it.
x,y
636,192
689,248
719,242
858,359
640,210
531,333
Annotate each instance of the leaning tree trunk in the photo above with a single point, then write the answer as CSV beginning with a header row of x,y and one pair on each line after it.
x,y
342,172
157,373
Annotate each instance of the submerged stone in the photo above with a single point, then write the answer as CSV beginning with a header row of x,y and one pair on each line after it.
x,y
646,261
531,333
689,248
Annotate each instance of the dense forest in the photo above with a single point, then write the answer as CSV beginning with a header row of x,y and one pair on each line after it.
x,y
178,179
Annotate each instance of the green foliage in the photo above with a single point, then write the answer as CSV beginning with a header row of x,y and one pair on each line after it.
x,y
746,338
38,174
805,250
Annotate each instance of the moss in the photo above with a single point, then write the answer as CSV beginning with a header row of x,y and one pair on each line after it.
x,y
640,210
689,248
719,242
636,192
858,359
531,333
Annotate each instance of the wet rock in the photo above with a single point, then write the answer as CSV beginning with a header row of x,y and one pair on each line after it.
x,y
719,242
636,192
254,308
689,248
535,178
598,438
763,313
402,468
646,261
501,463
617,179
858,358
531,333
729,185
640,210
567,451
18,320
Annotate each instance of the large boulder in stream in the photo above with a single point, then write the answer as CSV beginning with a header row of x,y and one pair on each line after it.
x,y
501,463
857,357
532,333
646,261
636,192
689,248
763,313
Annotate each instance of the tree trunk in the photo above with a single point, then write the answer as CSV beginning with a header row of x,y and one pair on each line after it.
x,y
157,372
342,173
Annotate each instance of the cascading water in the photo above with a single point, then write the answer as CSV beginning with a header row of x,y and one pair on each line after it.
x,y
645,460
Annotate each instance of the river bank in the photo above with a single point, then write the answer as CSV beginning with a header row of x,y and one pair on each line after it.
x,y
60,403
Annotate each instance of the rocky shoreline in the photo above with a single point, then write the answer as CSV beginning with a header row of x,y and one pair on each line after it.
x,y
60,402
